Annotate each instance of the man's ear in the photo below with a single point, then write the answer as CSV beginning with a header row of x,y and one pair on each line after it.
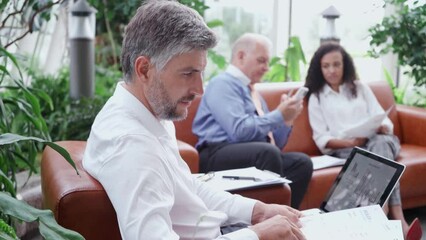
x,y
240,55
142,66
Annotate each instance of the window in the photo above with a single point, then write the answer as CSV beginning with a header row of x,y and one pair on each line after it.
x,y
271,18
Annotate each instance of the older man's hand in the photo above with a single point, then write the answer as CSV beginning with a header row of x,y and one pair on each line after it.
x,y
290,108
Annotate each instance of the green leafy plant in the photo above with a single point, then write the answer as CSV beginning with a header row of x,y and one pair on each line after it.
x,y
398,92
404,34
6,231
20,114
23,131
218,59
112,17
69,119
27,16
287,67
48,227
417,97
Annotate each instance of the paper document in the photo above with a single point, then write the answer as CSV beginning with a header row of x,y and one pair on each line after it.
x,y
251,178
366,128
326,161
363,223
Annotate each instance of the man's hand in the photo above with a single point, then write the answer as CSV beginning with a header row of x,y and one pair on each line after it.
x,y
262,211
290,108
273,221
278,227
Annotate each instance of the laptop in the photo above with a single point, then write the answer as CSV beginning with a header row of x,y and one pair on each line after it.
x,y
365,179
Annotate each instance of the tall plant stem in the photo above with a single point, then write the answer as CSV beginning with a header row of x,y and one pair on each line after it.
x,y
110,36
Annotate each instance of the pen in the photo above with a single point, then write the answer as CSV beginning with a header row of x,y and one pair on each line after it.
x,y
241,178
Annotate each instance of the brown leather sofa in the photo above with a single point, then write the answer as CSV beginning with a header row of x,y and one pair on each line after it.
x,y
409,124
80,203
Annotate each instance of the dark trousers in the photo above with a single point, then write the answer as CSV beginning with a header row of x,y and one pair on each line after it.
x,y
294,166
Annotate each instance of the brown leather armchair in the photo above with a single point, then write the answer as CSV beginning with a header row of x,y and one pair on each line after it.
x,y
78,202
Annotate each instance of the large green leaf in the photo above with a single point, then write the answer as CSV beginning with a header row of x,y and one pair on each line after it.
x,y
7,183
287,67
43,95
4,236
295,41
9,138
49,228
276,73
11,57
293,64
217,59
215,23
274,60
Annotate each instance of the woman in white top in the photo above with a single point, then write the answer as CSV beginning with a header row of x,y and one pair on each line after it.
x,y
337,101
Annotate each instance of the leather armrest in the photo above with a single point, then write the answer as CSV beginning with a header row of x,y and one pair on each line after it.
x,y
413,124
78,202
190,155
278,194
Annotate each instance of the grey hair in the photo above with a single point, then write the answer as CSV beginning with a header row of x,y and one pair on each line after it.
x,y
161,30
247,42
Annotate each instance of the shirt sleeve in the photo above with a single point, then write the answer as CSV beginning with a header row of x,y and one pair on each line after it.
x,y
231,106
142,194
239,209
321,132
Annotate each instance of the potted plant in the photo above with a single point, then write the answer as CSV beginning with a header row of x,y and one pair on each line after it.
x,y
287,67
23,131
20,112
404,34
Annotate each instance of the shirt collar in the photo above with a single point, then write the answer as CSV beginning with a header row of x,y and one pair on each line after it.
x,y
328,90
236,72
158,127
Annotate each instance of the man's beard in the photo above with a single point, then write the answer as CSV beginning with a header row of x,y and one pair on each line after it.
x,y
162,104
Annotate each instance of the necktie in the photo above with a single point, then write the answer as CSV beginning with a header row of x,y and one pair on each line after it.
x,y
258,105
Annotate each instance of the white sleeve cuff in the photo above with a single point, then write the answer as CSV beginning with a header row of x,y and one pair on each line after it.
x,y
243,212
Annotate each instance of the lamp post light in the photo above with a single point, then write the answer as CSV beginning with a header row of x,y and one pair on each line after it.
x,y
330,14
82,49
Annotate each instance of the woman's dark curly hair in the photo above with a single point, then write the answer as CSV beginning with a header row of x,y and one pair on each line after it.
x,y
315,80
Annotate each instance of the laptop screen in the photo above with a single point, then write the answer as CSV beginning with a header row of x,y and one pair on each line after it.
x,y
365,179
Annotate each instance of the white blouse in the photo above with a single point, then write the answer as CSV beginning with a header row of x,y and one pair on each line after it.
x,y
332,112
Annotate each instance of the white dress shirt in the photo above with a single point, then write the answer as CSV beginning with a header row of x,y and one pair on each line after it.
x,y
136,159
334,112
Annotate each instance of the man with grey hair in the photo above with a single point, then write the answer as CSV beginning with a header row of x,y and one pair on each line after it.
x,y
132,149
235,128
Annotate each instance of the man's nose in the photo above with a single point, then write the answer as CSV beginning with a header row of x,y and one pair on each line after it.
x,y
266,67
197,87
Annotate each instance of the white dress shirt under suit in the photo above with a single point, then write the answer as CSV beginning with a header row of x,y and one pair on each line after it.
x,y
136,159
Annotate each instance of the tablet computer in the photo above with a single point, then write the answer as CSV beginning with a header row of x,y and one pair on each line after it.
x,y
365,179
